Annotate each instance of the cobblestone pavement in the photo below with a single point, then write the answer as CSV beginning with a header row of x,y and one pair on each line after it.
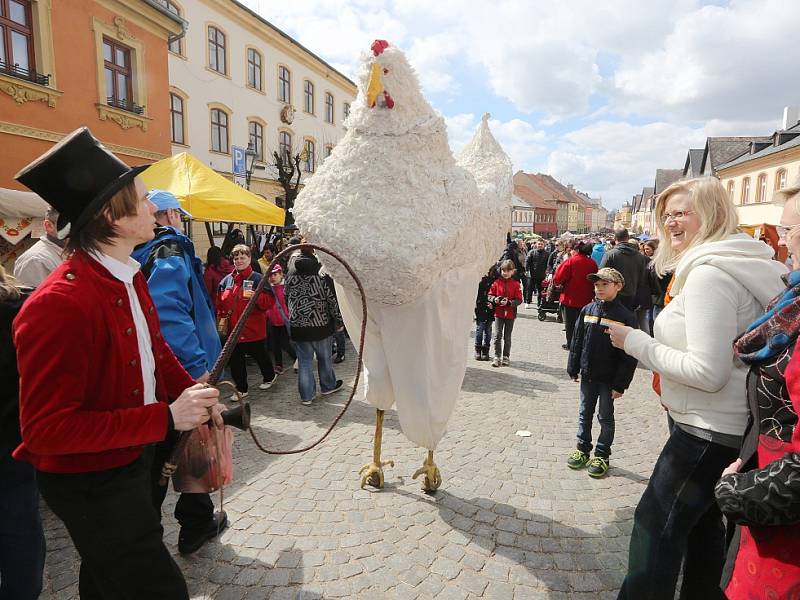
x,y
510,520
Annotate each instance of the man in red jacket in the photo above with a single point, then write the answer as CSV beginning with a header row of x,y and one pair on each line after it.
x,y
98,383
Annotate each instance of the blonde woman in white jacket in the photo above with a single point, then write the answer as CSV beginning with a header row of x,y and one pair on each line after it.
x,y
722,282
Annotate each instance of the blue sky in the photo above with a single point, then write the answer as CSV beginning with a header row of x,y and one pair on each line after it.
x,y
598,94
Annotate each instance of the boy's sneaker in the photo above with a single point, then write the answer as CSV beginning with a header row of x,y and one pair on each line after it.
x,y
339,359
496,361
235,398
597,467
294,366
267,384
578,459
306,402
506,361
337,386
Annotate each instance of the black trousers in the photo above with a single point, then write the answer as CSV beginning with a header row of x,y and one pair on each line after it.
x,y
535,287
570,318
259,354
193,511
279,341
117,531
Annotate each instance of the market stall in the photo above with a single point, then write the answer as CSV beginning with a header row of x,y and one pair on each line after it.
x,y
21,216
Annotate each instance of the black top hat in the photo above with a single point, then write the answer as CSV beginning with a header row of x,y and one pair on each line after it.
x,y
77,177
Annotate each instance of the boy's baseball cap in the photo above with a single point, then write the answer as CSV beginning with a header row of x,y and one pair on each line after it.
x,y
607,274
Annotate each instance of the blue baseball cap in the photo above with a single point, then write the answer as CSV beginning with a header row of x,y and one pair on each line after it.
x,y
165,200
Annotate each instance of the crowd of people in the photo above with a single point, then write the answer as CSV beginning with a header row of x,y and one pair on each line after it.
x,y
112,326
715,318
109,331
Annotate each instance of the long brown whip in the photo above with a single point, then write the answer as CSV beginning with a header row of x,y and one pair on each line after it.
x,y
170,466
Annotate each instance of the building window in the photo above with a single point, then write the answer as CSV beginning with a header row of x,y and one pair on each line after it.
x,y
255,131
328,150
17,57
308,97
745,190
761,190
309,156
216,51
119,76
284,85
177,118
285,145
780,179
254,70
346,109
219,130
730,190
329,108
175,46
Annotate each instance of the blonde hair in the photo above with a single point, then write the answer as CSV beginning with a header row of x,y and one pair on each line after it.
x,y
714,209
240,249
8,291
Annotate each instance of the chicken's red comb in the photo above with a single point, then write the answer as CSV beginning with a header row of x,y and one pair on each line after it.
x,y
378,46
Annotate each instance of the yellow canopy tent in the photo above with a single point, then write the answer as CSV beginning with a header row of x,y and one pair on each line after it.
x,y
207,195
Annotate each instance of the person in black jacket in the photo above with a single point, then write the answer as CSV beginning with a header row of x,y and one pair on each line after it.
x,y
605,371
536,266
22,545
626,258
484,315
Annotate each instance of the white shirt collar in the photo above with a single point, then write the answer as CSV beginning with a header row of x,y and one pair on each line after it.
x,y
122,271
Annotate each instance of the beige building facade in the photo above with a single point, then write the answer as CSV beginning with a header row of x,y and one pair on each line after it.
x,y
753,180
236,80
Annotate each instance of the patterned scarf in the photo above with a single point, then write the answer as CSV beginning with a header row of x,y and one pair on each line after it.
x,y
777,329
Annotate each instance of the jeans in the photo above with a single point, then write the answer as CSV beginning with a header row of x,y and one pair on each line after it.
x,y
591,392
22,546
305,359
502,336
677,521
571,315
526,288
483,334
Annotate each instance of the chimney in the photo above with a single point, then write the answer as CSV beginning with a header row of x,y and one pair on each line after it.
x,y
791,116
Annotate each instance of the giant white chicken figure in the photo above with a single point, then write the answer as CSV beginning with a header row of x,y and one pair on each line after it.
x,y
419,230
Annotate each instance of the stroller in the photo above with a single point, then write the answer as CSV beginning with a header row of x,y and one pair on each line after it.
x,y
548,299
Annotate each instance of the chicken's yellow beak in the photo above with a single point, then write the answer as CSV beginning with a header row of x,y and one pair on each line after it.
x,y
374,84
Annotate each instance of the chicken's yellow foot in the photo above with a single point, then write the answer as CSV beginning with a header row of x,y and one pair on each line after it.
x,y
433,478
372,473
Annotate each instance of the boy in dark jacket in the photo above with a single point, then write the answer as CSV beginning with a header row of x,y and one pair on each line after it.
x,y
484,315
606,372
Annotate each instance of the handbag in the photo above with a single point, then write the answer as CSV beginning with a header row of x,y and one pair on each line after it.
x,y
206,463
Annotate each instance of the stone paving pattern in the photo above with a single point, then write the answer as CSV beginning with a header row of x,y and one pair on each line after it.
x,y
510,521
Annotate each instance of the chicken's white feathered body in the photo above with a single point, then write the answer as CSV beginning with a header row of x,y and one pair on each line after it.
x,y
418,231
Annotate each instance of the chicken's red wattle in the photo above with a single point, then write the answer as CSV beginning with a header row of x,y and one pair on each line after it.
x,y
388,100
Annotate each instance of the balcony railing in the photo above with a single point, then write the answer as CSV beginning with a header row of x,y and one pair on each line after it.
x,y
128,105
17,71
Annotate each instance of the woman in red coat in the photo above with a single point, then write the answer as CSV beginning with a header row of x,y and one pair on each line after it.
x,y
234,293
577,290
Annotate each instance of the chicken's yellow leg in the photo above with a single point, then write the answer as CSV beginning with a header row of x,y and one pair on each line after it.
x,y
372,473
433,478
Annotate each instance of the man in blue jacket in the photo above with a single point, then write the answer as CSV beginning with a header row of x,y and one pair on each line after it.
x,y
175,278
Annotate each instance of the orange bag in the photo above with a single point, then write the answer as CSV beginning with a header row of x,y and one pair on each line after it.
x,y
206,463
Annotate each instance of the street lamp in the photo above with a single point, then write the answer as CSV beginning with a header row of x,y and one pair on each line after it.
x,y
250,156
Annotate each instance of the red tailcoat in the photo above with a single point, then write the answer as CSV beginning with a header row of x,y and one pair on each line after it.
x,y
81,404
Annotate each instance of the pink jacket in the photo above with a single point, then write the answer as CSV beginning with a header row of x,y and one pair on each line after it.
x,y
274,316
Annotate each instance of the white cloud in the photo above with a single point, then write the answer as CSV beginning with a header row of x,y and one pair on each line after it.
x,y
616,160
725,62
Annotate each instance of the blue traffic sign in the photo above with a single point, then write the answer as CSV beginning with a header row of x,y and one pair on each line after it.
x,y
238,161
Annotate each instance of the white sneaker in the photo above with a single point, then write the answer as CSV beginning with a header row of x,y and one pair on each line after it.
x,y
305,402
295,367
267,384
235,398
